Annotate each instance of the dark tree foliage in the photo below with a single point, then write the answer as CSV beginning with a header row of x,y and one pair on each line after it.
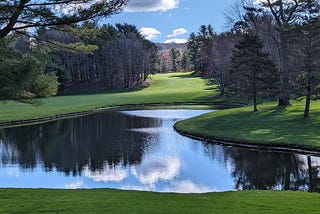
x,y
200,48
223,53
194,46
210,54
185,61
17,15
253,74
175,57
305,38
23,75
285,14
115,56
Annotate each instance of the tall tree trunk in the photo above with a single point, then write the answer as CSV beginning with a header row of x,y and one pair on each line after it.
x,y
222,82
255,109
284,97
308,95
308,101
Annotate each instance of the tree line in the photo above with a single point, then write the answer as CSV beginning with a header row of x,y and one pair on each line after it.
x,y
56,45
77,57
271,51
120,58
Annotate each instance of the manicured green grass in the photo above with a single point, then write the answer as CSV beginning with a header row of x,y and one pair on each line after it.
x,y
271,125
166,88
115,201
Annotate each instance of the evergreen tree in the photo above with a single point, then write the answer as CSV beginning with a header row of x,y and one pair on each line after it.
x,y
175,59
253,74
194,46
185,62
23,75
200,48
305,38
23,14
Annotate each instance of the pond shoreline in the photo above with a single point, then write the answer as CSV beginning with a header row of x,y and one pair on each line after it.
x,y
209,139
253,145
8,124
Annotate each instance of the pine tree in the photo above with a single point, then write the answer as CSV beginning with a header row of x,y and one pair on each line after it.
x,y
25,14
305,38
253,74
175,59
185,62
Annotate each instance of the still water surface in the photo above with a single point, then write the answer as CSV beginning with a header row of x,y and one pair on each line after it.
x,y
139,150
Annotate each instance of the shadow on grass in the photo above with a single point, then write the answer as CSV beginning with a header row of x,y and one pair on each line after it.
x,y
188,75
269,126
104,91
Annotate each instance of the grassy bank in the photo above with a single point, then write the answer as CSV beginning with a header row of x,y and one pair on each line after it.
x,y
114,201
166,88
271,125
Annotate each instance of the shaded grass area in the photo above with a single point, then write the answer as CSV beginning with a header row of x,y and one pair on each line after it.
x,y
271,125
116,201
166,88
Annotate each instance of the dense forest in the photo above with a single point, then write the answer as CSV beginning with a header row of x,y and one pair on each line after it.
x,y
29,62
106,57
87,57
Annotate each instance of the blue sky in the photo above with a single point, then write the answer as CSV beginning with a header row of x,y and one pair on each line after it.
x,y
172,20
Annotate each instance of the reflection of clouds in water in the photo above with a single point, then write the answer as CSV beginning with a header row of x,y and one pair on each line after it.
x,y
106,175
151,171
229,165
187,186
184,186
8,153
74,185
137,188
167,114
148,130
13,172
315,160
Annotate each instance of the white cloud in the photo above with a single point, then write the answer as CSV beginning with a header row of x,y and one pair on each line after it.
x,y
152,171
176,40
75,185
106,174
178,32
151,5
74,8
149,33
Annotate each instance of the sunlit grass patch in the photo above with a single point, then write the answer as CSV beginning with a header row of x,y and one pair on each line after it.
x,y
165,88
271,125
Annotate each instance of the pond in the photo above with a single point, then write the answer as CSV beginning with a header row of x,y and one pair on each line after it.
x,y
139,150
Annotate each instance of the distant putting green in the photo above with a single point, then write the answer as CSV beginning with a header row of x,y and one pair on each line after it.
x,y
270,126
165,88
116,201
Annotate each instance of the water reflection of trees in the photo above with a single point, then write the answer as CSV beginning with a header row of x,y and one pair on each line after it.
x,y
69,145
263,170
